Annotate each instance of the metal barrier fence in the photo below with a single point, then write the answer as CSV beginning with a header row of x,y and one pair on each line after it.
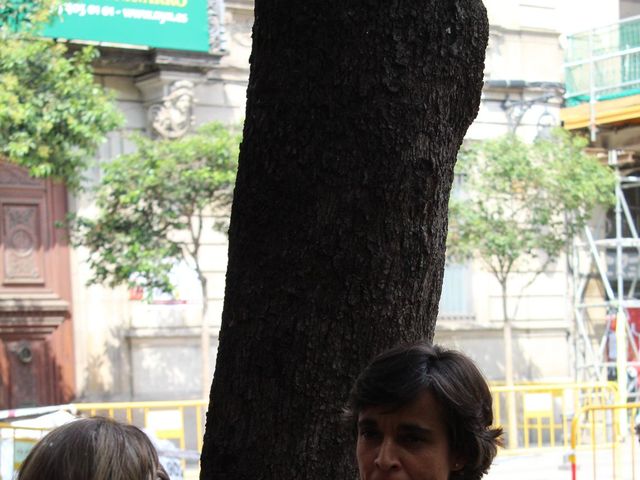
x,y
543,413
536,416
178,422
15,444
604,439
545,416
182,422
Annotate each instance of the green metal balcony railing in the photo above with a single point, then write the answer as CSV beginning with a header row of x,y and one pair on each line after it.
x,y
603,63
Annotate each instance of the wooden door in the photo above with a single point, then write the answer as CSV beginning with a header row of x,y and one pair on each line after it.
x,y
36,334
27,363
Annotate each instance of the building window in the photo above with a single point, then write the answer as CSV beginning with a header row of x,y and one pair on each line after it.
x,y
455,300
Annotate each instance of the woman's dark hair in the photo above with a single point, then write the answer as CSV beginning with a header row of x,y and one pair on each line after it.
x,y
93,449
398,376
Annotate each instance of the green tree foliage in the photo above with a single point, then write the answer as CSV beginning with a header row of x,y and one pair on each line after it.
x,y
522,204
147,200
25,15
52,113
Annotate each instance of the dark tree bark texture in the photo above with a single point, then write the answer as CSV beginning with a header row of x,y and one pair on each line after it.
x,y
355,113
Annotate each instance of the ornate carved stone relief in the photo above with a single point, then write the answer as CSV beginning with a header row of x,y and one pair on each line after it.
x,y
174,116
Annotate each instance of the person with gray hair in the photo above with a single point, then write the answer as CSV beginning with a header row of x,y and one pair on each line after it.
x,y
422,412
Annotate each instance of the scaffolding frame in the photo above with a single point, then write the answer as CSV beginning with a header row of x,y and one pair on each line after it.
x,y
593,344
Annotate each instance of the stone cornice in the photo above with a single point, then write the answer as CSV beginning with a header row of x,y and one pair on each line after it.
x,y
30,314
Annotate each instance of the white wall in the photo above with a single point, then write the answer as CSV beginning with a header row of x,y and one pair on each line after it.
x,y
579,15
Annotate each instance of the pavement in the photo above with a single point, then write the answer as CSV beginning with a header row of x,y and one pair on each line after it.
x,y
546,465
621,463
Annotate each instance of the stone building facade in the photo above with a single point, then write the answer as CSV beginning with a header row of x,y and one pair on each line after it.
x,y
64,340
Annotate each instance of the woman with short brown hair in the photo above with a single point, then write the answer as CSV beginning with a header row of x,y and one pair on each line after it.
x,y
423,412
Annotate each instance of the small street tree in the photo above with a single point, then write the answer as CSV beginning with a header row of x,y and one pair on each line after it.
x,y
53,115
520,207
148,200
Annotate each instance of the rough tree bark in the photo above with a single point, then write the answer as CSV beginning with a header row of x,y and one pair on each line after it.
x,y
355,113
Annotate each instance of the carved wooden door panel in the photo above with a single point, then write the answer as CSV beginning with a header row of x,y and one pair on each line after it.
x,y
36,341
27,364
22,258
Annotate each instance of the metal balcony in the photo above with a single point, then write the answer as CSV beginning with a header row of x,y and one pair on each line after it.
x,y
602,76
603,63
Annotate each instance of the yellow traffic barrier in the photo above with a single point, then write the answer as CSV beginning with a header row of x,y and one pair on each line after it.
x,y
544,412
605,442
547,416
20,440
179,421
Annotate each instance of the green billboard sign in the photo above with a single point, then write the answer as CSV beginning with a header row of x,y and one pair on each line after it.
x,y
172,24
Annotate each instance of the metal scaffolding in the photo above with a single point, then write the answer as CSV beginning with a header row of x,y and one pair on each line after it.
x,y
607,291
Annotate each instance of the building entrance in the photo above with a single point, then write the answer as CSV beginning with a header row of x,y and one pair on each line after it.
x,y
36,334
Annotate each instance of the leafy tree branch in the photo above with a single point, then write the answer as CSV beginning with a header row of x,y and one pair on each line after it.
x,y
152,205
522,204
53,114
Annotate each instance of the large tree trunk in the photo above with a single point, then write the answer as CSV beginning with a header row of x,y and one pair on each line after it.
x,y
355,113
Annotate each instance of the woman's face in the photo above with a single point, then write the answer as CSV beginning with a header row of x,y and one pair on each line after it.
x,y
408,443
